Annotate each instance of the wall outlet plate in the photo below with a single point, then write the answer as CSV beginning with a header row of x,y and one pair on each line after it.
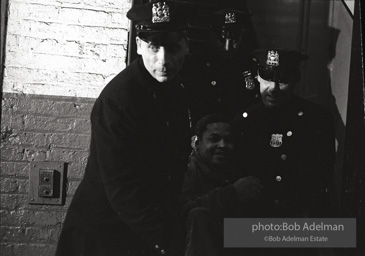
x,y
46,180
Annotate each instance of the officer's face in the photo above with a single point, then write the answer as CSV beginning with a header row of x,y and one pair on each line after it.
x,y
163,61
216,145
274,94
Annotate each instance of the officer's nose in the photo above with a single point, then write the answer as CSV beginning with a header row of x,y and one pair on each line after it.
x,y
162,56
274,86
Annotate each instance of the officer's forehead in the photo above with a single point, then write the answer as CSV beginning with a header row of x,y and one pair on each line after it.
x,y
162,38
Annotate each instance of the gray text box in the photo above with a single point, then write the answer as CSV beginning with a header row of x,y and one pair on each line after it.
x,y
289,232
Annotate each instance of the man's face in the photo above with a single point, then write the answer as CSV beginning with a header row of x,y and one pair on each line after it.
x,y
274,94
163,61
216,145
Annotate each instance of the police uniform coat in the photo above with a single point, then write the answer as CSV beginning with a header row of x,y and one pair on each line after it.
x,y
216,82
127,201
291,149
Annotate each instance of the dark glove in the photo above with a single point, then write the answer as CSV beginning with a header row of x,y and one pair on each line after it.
x,y
248,189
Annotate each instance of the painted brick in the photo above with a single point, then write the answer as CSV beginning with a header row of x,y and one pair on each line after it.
x,y
61,209
34,249
90,34
52,46
84,4
57,39
6,119
51,124
34,139
49,52
31,154
11,233
76,170
82,126
16,169
53,89
29,234
72,186
9,136
13,202
7,249
84,17
45,13
42,218
19,74
13,154
108,4
10,217
43,235
48,108
25,104
11,185
68,156
17,122
36,29
71,141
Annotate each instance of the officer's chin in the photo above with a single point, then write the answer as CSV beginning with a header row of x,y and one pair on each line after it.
x,y
163,78
272,102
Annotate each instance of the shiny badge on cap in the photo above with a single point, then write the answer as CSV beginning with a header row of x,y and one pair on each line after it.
x,y
230,18
276,140
272,58
160,12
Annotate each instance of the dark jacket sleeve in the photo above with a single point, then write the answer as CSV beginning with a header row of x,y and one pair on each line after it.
x,y
221,201
119,134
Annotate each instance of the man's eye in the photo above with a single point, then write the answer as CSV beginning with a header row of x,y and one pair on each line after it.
x,y
283,85
153,48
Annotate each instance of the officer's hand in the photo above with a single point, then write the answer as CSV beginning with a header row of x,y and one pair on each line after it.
x,y
249,189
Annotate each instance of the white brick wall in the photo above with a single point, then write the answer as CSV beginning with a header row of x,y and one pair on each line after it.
x,y
65,47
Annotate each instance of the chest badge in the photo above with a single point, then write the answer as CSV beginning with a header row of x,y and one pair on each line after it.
x,y
276,140
249,81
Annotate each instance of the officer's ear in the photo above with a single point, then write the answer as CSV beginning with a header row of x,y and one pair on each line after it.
x,y
258,78
138,43
194,142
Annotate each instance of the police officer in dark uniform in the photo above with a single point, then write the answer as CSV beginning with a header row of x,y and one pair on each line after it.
x,y
219,74
287,141
127,201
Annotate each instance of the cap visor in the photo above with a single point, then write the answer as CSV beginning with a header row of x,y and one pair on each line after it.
x,y
280,76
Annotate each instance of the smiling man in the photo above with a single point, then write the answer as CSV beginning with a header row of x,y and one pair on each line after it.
x,y
213,187
286,141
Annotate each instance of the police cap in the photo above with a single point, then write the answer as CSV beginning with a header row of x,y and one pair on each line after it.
x,y
160,16
229,17
279,65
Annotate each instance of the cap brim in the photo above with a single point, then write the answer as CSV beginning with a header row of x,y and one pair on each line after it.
x,y
281,76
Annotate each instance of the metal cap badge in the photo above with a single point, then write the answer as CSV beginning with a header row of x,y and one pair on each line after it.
x,y
230,18
272,58
160,16
160,12
278,65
